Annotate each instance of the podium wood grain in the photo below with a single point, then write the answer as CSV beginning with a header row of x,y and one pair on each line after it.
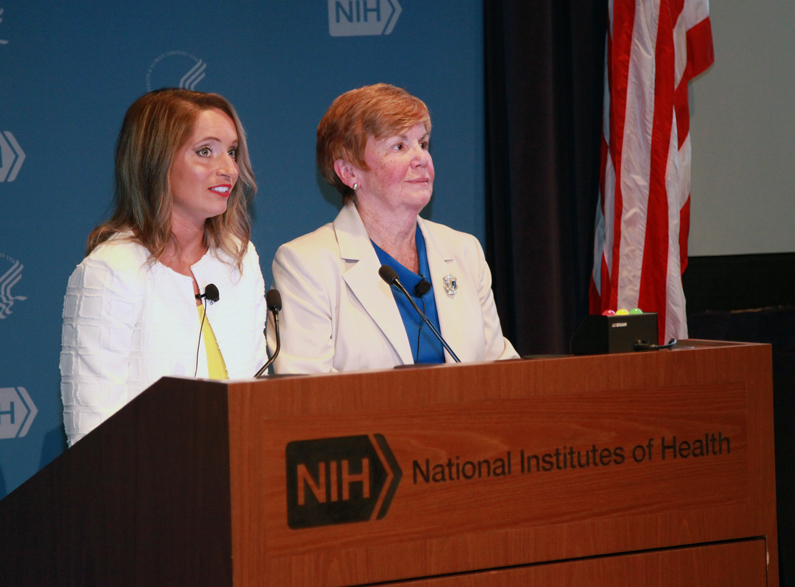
x,y
483,411
737,564
188,483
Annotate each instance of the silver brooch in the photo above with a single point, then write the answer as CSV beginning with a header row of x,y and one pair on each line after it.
x,y
450,284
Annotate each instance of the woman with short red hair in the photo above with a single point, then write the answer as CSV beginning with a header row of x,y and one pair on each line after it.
x,y
338,314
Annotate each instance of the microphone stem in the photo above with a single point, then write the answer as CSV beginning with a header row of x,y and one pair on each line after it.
x,y
427,322
278,346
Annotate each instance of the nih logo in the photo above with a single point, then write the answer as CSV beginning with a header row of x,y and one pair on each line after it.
x,y
350,18
17,412
339,480
11,157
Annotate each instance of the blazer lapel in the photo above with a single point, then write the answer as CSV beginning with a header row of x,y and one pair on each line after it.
x,y
363,280
441,263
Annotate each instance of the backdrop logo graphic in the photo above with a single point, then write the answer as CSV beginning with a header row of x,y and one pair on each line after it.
x,y
349,18
11,157
340,480
17,412
2,42
8,280
175,69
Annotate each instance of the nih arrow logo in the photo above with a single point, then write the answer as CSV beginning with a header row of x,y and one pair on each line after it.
x,y
350,18
340,480
17,412
11,156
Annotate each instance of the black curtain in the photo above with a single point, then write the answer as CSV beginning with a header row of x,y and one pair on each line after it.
x,y
544,62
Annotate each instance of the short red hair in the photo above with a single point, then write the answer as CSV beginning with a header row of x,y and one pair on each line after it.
x,y
377,111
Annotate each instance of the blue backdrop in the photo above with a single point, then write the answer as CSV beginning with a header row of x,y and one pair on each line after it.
x,y
68,72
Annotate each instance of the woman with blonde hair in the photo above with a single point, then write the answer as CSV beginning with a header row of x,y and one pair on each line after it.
x,y
338,314
136,307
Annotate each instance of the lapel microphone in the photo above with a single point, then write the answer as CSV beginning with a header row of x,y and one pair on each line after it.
x,y
421,288
210,292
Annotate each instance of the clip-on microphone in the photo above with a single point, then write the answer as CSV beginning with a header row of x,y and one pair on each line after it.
x,y
210,292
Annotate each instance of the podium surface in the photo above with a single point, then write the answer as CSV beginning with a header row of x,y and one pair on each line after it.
x,y
640,468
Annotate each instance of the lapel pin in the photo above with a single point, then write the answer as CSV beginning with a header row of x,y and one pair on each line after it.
x,y
450,284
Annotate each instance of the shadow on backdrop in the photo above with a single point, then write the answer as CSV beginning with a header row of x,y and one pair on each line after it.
x,y
53,445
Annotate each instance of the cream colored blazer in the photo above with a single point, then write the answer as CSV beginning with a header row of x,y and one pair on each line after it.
x,y
339,315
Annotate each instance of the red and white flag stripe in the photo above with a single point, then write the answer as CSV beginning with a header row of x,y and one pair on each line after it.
x,y
654,48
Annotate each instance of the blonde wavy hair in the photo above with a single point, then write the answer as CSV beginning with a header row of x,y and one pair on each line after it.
x,y
154,129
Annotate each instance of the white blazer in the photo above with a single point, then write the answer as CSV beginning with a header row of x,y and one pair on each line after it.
x,y
127,323
339,315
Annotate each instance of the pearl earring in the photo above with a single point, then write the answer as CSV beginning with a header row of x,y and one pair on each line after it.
x,y
355,186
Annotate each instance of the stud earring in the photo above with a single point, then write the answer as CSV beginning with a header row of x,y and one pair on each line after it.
x,y
355,186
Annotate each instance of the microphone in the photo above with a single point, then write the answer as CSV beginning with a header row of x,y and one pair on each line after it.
x,y
422,288
273,300
210,292
391,277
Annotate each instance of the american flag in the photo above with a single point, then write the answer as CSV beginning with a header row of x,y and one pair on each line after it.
x,y
654,48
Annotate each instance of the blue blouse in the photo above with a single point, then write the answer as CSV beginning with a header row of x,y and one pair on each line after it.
x,y
425,348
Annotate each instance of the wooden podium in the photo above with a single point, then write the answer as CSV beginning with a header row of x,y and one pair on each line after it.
x,y
631,469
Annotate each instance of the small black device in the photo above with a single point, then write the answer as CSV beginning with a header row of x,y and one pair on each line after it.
x,y
615,334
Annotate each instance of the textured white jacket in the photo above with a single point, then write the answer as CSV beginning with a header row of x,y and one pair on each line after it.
x,y
339,315
126,324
